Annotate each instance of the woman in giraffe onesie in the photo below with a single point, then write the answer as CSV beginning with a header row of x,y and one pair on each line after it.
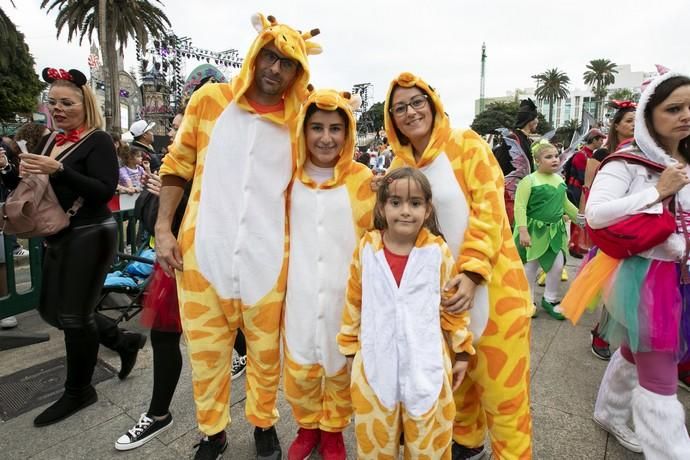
x,y
468,195
235,143
331,206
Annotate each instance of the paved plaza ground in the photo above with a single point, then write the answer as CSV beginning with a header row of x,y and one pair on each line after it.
x,y
565,378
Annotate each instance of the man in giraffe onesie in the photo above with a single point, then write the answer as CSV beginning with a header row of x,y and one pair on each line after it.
x,y
231,255
467,189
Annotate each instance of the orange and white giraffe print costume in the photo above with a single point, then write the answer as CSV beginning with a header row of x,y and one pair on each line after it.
x,y
326,222
233,237
467,186
402,343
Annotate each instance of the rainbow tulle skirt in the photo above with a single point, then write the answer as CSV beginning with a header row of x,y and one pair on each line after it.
x,y
647,304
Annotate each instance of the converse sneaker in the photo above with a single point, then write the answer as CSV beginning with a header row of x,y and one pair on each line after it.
x,y
461,452
239,365
211,448
143,431
267,444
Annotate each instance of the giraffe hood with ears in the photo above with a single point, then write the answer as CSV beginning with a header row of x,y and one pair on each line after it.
x,y
292,44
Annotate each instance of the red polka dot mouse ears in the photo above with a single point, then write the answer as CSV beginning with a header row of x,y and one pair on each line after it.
x,y
51,75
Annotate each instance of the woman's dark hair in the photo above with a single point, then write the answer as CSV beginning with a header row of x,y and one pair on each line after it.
x,y
401,137
612,141
661,93
383,193
313,108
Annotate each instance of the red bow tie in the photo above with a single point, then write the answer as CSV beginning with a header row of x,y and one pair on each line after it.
x,y
72,136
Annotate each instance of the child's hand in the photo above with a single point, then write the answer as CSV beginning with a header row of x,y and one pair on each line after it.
x,y
525,240
459,370
147,166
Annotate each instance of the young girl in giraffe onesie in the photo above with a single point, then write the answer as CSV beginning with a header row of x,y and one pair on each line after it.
x,y
540,234
405,353
235,143
331,206
467,184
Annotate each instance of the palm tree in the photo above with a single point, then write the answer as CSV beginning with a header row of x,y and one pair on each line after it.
x,y
115,22
551,86
600,74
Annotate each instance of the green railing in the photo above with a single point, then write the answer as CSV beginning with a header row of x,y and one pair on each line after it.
x,y
14,303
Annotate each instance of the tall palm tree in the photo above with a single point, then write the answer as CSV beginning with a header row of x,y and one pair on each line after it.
x,y
115,22
600,74
552,85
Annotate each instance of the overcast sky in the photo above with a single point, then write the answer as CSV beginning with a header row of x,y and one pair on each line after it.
x,y
373,40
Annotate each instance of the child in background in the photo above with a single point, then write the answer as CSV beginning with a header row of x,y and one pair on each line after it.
x,y
132,171
331,206
540,233
406,354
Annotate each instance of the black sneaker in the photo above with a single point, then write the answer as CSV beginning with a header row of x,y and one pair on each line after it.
x,y
239,365
211,448
145,430
461,452
267,444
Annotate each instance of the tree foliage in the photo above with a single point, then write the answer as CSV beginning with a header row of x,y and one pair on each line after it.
x,y
375,116
503,115
600,74
19,84
552,85
122,20
624,94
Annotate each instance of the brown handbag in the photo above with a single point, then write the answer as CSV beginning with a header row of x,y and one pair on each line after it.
x,y
32,208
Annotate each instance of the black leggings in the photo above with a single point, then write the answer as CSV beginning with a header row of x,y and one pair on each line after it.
x,y
75,263
74,267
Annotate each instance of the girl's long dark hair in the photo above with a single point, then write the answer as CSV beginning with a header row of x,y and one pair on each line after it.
x,y
383,192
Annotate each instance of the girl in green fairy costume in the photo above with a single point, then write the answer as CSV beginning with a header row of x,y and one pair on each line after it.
x,y
540,233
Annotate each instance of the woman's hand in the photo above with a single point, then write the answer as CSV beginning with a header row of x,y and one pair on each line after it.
x,y
673,179
459,371
463,299
525,240
38,164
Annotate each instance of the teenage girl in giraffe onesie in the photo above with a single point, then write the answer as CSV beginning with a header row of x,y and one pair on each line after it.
x,y
331,206
235,143
405,353
468,196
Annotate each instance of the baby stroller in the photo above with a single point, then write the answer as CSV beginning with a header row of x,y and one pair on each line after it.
x,y
125,286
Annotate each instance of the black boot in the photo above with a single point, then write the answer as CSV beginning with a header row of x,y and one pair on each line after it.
x,y
81,346
128,347
126,344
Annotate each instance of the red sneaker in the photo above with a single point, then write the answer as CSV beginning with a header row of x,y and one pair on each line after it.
x,y
303,445
332,446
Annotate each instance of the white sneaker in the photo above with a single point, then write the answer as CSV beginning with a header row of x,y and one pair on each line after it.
x,y
623,434
20,252
8,323
239,365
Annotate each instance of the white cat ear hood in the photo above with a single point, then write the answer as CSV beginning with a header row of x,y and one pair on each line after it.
x,y
643,138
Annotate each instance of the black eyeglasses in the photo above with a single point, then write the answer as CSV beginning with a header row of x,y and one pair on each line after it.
x,y
418,102
270,58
